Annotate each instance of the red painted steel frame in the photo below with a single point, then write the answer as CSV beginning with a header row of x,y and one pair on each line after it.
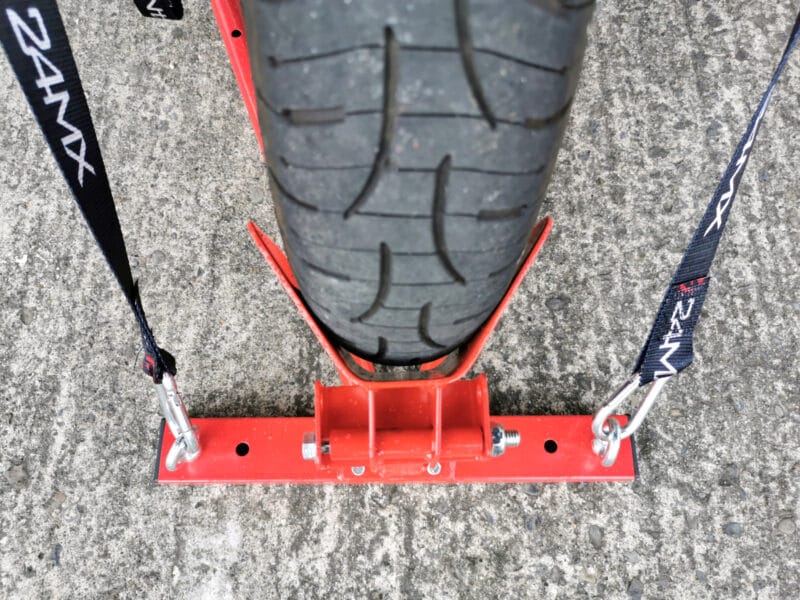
x,y
231,28
395,429
274,456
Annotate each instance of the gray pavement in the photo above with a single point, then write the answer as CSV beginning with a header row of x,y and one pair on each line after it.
x,y
667,89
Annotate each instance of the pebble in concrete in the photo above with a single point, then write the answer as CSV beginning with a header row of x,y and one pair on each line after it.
x,y
787,526
733,529
17,476
596,536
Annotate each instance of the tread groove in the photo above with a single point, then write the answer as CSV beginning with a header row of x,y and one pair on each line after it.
x,y
477,170
384,284
293,165
547,121
337,114
501,213
380,354
579,6
471,317
388,125
514,263
424,322
315,302
288,195
276,62
501,270
520,61
326,272
260,97
412,169
423,284
381,348
453,115
315,116
465,49
309,242
439,206
483,215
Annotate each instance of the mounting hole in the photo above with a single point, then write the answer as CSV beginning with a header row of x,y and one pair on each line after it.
x,y
236,33
242,448
550,446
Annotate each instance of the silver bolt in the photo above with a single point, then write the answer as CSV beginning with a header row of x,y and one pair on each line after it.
x,y
513,439
358,471
502,439
309,446
434,469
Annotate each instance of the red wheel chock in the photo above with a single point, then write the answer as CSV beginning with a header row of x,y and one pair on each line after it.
x,y
436,428
433,429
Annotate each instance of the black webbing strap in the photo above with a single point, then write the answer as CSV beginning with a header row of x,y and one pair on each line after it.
x,y
160,9
668,349
34,39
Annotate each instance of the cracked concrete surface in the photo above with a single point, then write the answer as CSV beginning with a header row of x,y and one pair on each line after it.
x,y
667,89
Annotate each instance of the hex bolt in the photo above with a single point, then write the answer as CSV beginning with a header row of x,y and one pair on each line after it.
x,y
434,468
502,439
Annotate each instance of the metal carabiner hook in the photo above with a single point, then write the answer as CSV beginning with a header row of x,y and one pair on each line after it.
x,y
186,446
608,447
608,433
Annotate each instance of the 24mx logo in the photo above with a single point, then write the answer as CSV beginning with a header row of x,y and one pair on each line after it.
x,y
34,45
679,315
726,198
681,326
155,11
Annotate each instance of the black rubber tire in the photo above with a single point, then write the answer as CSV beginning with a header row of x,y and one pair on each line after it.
x,y
409,145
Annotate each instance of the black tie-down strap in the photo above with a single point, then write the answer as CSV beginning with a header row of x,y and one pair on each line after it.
x,y
34,39
668,349
160,9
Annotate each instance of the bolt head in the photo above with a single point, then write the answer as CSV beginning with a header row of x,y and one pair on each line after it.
x,y
498,440
434,468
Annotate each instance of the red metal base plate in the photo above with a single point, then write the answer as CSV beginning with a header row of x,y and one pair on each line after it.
x,y
267,450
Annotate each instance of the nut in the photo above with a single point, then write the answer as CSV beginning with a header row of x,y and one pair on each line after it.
x,y
309,446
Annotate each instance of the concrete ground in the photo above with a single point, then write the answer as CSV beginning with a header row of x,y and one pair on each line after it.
x,y
667,89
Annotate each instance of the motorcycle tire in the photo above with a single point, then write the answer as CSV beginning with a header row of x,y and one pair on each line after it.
x,y
409,145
